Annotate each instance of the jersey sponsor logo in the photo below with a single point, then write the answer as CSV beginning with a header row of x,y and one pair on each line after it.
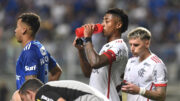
x,y
43,97
18,77
27,68
44,60
43,50
141,72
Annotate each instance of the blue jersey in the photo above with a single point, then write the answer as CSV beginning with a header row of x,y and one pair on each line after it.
x,y
34,60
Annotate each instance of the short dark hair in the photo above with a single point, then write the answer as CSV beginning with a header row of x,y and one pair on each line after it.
x,y
32,20
31,84
122,15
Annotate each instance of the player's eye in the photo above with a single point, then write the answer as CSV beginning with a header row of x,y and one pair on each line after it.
x,y
136,45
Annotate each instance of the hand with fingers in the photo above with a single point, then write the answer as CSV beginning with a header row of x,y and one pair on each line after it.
x,y
78,43
130,88
88,30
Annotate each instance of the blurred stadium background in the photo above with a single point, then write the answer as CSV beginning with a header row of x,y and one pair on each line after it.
x,y
61,17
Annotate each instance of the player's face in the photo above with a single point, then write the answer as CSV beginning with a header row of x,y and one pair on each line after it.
x,y
19,31
138,46
109,24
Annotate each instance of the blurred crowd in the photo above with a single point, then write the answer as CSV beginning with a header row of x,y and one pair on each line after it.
x,y
60,18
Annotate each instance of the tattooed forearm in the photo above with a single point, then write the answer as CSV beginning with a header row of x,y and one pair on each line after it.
x,y
85,66
159,94
93,57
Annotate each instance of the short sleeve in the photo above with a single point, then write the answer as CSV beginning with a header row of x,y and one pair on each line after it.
x,y
116,51
30,62
52,62
160,75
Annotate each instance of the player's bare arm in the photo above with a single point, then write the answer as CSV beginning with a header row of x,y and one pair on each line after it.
x,y
85,66
55,73
158,94
30,77
95,60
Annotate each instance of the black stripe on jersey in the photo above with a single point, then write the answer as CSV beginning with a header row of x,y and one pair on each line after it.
x,y
54,93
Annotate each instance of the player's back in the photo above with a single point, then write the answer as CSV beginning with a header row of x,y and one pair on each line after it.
x,y
70,90
43,59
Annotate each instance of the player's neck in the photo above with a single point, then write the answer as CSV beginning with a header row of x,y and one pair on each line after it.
x,y
27,40
114,37
144,56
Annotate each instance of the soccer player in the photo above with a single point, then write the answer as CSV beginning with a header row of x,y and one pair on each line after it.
x,y
145,73
35,61
105,68
64,90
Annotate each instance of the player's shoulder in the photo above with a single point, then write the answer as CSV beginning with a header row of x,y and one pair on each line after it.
x,y
119,43
156,62
32,46
154,59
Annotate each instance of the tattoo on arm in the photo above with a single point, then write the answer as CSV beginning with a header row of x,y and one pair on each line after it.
x,y
85,66
158,94
95,60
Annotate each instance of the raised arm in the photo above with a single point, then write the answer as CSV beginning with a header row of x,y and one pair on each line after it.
x,y
85,66
95,60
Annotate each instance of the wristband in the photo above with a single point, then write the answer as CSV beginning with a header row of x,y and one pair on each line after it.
x,y
142,91
87,39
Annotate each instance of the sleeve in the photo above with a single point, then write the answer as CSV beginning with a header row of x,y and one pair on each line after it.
x,y
160,75
116,52
126,71
30,62
52,61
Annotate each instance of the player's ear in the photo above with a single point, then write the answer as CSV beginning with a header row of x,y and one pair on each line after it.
x,y
118,25
24,30
147,43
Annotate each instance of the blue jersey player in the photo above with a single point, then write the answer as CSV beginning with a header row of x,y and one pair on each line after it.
x,y
34,61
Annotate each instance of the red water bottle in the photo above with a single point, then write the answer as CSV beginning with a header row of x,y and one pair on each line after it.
x,y
80,31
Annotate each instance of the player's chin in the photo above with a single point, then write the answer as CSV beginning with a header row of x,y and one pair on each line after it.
x,y
135,55
106,34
